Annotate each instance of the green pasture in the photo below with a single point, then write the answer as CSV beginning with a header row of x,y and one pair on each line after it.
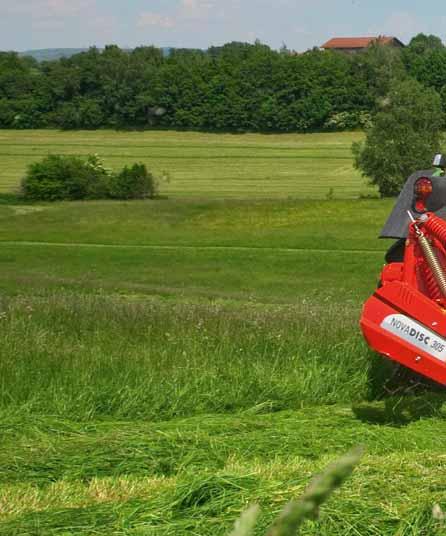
x,y
270,251
306,225
205,165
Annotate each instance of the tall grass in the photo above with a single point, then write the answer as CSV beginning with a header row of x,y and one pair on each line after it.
x,y
86,356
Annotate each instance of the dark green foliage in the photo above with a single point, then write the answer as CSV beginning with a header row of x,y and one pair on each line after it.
x,y
80,114
378,68
70,178
407,132
7,114
422,43
133,182
61,177
236,87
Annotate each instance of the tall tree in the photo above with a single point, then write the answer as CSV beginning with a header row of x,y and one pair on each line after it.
x,y
407,132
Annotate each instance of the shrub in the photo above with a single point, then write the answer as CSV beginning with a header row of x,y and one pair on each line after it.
x,y
58,178
134,182
62,177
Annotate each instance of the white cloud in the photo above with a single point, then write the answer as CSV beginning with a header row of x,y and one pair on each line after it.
x,y
60,18
149,18
197,4
196,9
186,12
46,9
199,10
67,8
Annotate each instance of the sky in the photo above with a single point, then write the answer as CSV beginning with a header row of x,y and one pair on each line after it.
x,y
299,24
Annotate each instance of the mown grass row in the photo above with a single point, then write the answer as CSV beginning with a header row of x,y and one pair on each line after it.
x,y
205,165
195,475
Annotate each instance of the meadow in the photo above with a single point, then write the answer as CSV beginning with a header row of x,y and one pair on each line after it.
x,y
205,165
164,364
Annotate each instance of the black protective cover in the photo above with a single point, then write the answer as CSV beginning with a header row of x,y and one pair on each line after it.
x,y
397,224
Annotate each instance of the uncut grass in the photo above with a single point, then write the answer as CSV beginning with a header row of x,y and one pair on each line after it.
x,y
85,356
267,276
189,251
352,225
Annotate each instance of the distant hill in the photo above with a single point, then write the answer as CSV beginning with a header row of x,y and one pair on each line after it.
x,y
51,54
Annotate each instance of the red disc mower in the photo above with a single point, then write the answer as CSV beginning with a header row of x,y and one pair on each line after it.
x,y
405,319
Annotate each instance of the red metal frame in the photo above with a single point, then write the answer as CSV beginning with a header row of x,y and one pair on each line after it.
x,y
405,319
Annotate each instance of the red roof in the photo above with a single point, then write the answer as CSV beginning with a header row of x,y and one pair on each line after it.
x,y
359,42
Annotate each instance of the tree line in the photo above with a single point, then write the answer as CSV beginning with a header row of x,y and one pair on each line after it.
x,y
235,87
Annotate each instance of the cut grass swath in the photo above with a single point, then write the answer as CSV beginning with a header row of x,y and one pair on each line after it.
x,y
307,507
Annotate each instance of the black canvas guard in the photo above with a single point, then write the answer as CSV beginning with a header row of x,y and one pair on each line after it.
x,y
397,224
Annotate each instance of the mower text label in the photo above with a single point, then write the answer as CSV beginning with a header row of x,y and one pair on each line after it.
x,y
416,334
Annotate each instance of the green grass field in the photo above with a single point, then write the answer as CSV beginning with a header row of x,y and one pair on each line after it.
x,y
272,251
164,364
205,165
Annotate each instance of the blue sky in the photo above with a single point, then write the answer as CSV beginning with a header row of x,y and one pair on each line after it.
x,y
301,24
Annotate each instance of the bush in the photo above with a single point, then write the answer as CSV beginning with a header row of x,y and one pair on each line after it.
x,y
58,178
132,183
63,177
405,135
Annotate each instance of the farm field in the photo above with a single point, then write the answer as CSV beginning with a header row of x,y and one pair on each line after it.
x,y
164,364
205,165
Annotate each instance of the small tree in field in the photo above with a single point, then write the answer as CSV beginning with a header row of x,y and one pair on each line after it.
x,y
405,135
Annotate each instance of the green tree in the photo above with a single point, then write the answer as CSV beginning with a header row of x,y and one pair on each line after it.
x,y
234,87
406,133
379,67
422,43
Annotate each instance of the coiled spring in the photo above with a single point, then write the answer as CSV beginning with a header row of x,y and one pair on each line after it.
x,y
433,262
436,227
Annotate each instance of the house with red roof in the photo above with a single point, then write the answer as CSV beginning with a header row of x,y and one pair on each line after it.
x,y
352,45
